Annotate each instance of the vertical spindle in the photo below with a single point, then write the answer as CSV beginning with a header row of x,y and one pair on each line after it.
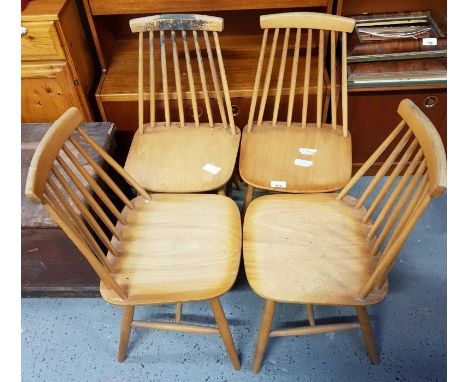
x,y
320,79
294,76
258,76
140,83
305,99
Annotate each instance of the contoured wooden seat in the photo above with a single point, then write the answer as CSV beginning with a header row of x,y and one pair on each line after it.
x,y
169,153
333,249
297,155
308,249
159,248
159,262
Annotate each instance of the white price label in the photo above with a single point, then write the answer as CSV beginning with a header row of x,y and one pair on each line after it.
x,y
278,184
303,162
211,168
307,151
429,41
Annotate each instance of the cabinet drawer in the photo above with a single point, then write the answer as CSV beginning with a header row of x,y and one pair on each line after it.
x,y
373,115
40,41
47,90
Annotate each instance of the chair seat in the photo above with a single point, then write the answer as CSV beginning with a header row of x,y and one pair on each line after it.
x,y
269,154
308,249
171,159
176,248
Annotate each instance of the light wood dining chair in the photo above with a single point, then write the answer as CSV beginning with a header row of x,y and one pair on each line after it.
x,y
300,154
182,151
328,248
163,248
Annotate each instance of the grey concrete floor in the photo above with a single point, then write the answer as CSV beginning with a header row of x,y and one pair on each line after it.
x,y
76,339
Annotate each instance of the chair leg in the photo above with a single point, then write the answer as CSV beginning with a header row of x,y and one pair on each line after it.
x,y
224,331
229,187
310,314
248,198
263,334
237,181
125,330
178,313
366,330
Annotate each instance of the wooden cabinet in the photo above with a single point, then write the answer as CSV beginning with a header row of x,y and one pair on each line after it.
x,y
57,70
117,49
372,116
47,90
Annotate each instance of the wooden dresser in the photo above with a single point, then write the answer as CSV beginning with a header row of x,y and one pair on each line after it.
x,y
57,69
241,39
372,110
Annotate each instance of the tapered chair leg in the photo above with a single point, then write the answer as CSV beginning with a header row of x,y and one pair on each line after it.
x,y
263,334
237,182
224,331
310,314
366,330
125,330
229,187
248,198
178,313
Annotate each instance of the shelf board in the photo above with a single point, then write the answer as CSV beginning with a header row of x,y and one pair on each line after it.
x,y
102,7
398,74
240,56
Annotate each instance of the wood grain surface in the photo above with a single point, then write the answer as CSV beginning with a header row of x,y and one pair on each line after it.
x,y
171,159
268,154
176,248
307,249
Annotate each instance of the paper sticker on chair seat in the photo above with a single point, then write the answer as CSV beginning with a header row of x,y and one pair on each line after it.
x,y
307,151
278,184
303,162
211,168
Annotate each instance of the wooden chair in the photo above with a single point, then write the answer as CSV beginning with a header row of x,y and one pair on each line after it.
x,y
163,248
296,155
328,249
170,152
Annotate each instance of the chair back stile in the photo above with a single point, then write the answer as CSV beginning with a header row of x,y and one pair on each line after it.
x,y
60,178
299,24
418,176
190,38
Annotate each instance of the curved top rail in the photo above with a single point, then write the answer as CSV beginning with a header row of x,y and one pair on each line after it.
x,y
177,22
308,20
431,143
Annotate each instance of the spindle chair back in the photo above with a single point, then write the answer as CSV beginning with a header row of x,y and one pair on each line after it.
x,y
55,179
303,26
138,252
414,171
346,260
185,62
329,167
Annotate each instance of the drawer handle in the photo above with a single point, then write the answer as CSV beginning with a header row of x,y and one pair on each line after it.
x,y
200,112
430,101
235,110
24,30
